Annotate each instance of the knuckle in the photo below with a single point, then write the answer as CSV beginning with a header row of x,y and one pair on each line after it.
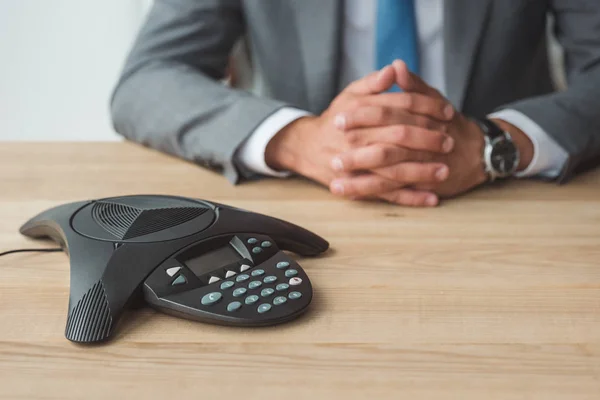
x,y
398,173
410,101
381,186
425,122
428,174
383,114
357,103
353,138
436,140
384,154
401,133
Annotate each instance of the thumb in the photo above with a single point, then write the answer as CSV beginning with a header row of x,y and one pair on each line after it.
x,y
374,83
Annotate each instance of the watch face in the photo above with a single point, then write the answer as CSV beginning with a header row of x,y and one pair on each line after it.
x,y
504,157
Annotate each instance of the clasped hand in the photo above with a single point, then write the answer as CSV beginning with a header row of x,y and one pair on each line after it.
x,y
408,148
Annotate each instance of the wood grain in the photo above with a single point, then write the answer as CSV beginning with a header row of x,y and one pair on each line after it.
x,y
495,295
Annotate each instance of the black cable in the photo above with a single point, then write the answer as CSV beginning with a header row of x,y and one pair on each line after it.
x,y
30,250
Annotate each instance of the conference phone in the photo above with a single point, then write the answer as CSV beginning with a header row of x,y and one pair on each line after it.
x,y
191,258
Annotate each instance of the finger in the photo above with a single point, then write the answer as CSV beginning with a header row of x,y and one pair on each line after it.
x,y
411,198
411,137
372,116
388,179
375,156
431,106
374,83
412,173
410,82
363,186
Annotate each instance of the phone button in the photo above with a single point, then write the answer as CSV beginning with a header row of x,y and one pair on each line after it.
x,y
234,306
173,270
252,241
251,299
279,300
294,295
295,281
282,286
283,265
244,267
179,281
226,285
290,273
254,284
263,308
258,272
229,274
257,250
211,298
239,292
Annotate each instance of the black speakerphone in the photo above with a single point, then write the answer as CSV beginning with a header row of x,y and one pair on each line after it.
x,y
190,258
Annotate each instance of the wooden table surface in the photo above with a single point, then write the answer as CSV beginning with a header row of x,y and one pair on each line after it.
x,y
495,295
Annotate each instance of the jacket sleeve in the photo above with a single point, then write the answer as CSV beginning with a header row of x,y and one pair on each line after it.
x,y
170,95
572,117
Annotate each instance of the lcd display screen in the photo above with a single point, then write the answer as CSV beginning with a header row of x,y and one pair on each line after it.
x,y
212,260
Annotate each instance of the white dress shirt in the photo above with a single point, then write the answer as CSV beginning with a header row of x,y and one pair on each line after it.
x,y
358,60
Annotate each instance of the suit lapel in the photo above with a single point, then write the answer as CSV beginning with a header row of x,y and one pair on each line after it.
x,y
464,23
319,31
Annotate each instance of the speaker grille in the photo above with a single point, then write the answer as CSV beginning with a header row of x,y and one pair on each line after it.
x,y
115,218
90,320
127,221
150,221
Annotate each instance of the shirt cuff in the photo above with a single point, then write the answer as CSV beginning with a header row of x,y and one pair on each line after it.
x,y
251,153
548,157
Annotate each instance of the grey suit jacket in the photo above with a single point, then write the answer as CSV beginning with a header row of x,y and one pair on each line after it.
x,y
170,96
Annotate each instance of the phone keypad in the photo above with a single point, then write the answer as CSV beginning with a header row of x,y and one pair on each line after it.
x,y
248,292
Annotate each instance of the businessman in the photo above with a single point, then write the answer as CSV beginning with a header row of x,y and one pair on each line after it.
x,y
408,101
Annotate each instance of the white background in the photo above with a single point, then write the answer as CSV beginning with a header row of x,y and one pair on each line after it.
x,y
59,62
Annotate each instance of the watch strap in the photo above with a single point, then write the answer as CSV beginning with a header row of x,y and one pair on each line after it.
x,y
490,128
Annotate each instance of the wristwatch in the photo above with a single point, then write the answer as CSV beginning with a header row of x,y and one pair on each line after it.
x,y
500,154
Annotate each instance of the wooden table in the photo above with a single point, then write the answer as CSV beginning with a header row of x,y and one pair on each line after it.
x,y
492,296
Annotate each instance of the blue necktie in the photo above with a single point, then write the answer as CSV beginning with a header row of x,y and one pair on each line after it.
x,y
397,34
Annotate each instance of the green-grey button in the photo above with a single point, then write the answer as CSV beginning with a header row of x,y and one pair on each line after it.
x,y
282,286
294,295
257,250
267,292
258,272
234,306
279,300
211,298
239,292
266,244
254,284
270,279
290,273
263,308
252,241
251,299
179,281
226,285
242,278
283,265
